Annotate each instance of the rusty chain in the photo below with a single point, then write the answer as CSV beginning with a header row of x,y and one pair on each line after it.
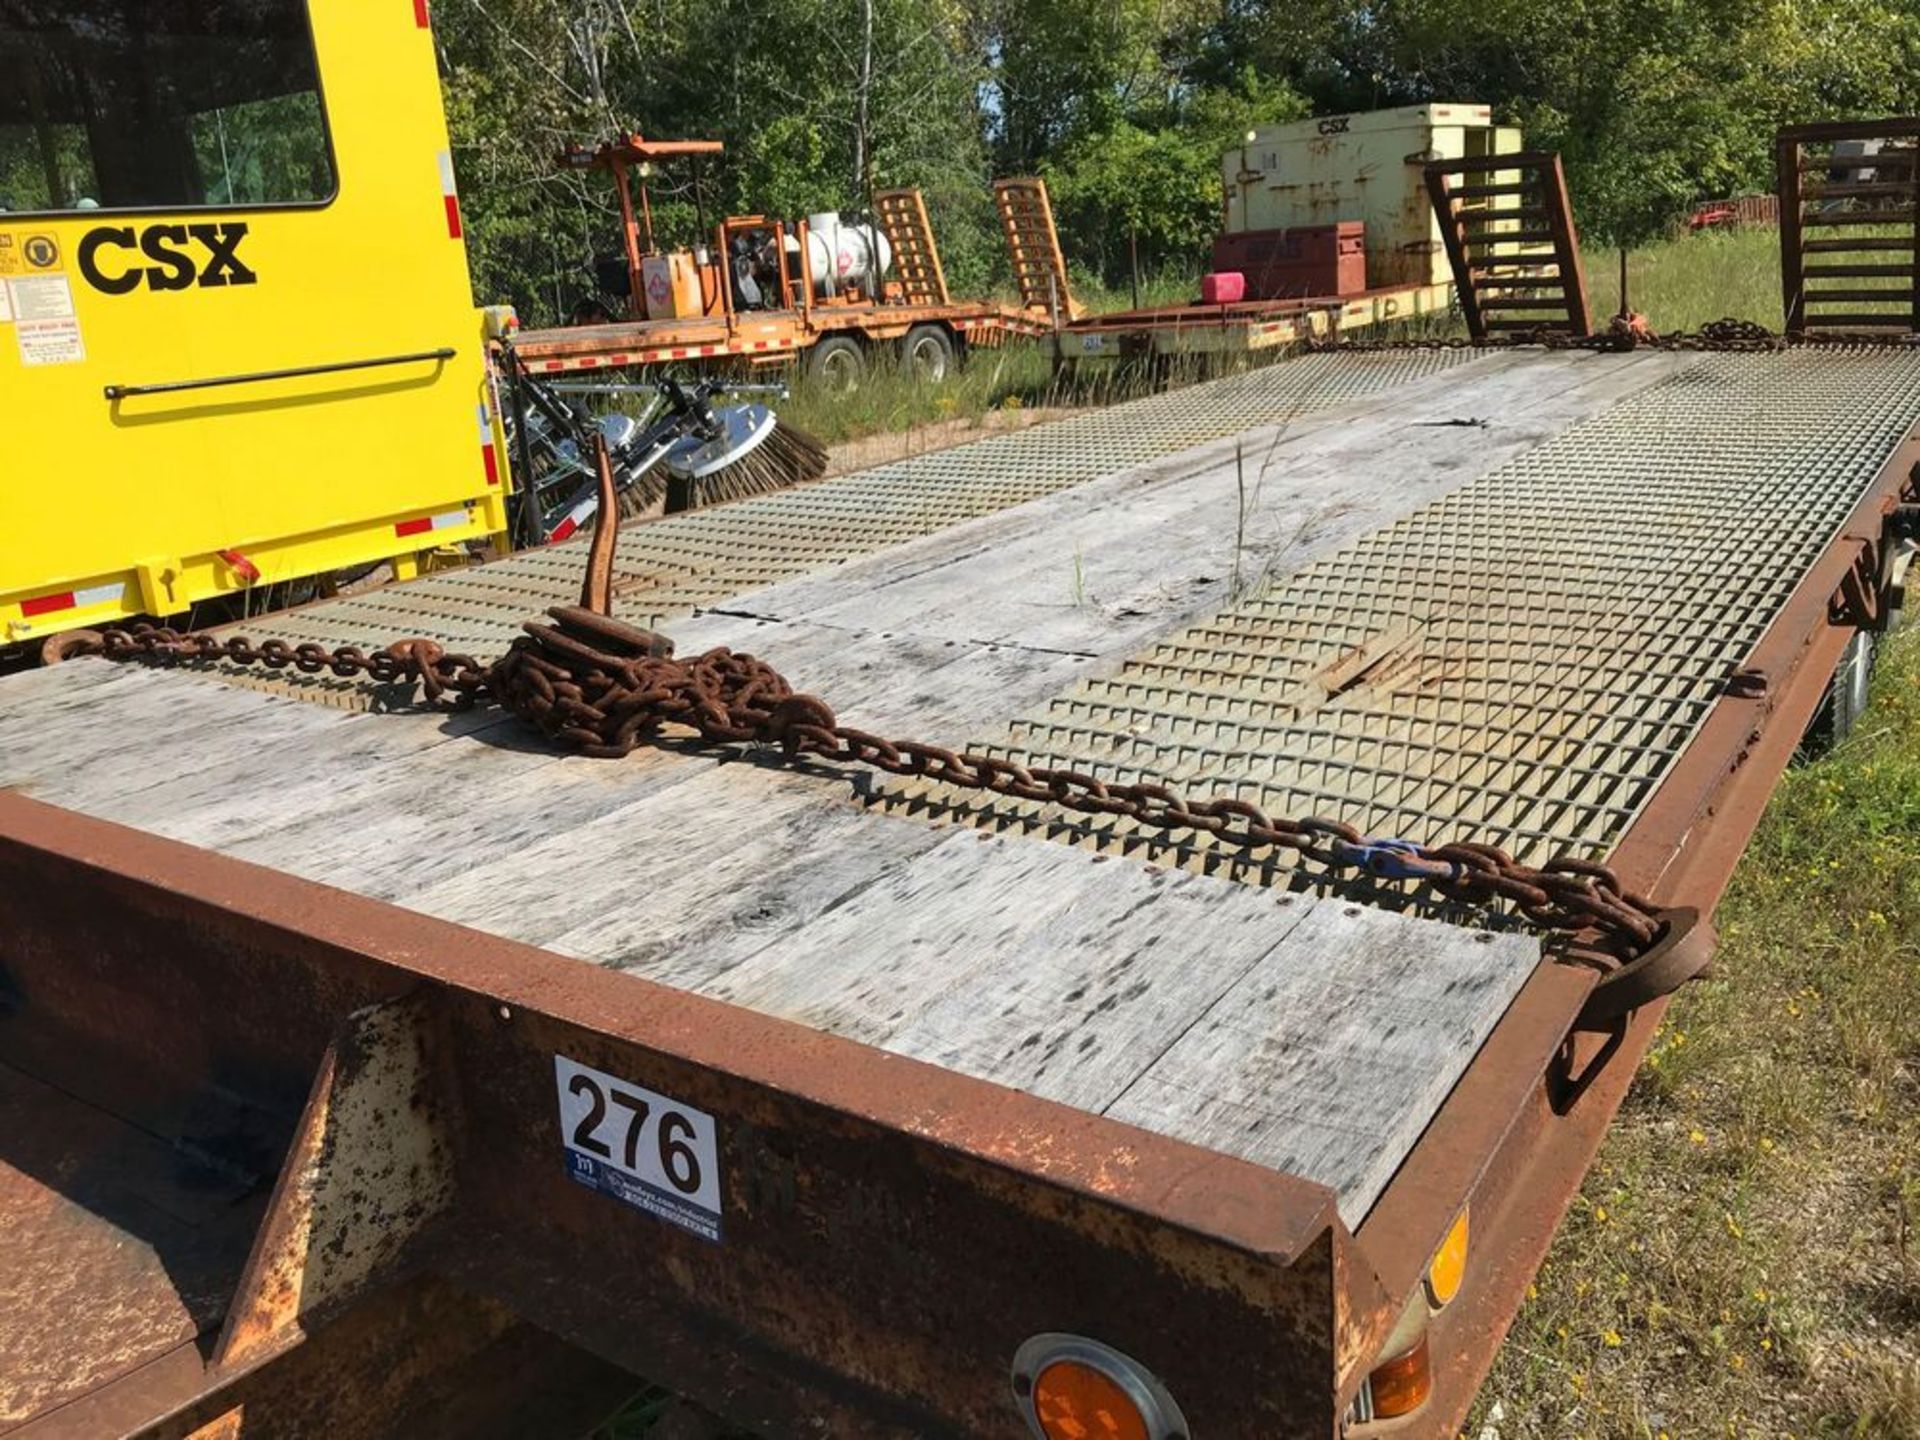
x,y
601,687
1725,336
439,674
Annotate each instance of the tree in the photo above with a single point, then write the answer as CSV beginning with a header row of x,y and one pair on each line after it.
x,y
1125,105
818,101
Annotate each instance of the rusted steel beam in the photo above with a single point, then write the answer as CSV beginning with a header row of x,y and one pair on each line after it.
x,y
421,1359
888,1232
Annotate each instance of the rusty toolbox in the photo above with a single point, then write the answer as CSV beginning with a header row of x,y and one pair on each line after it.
x,y
1299,260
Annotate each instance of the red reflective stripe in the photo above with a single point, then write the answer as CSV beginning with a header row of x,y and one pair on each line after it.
x,y
48,604
414,527
492,465
565,528
420,13
453,217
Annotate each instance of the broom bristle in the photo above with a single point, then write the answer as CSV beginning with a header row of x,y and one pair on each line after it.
x,y
787,457
644,498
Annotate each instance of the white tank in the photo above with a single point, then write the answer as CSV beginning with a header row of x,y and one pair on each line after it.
x,y
840,256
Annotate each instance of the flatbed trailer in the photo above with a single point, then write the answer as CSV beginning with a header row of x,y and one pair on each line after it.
x,y
1245,327
928,1082
765,337
912,311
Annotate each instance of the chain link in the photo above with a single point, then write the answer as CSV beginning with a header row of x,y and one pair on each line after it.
x,y
601,687
457,680
1725,336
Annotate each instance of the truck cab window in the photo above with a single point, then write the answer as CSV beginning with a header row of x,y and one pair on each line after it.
x,y
159,105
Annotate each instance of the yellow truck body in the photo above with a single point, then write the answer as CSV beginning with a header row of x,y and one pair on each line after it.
x,y
238,344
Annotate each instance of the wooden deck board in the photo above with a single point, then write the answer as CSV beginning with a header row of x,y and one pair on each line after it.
x,y
1354,992
1054,985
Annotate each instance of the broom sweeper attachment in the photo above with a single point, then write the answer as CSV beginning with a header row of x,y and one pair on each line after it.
x,y
678,452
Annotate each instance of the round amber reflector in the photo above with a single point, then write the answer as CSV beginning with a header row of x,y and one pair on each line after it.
x,y
1075,1401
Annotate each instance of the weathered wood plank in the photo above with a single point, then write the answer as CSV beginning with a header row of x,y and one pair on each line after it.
x,y
1330,1055
398,830
395,828
885,681
287,772
1020,962
753,860
98,734
695,849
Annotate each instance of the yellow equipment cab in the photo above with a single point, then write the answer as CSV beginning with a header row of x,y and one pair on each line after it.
x,y
237,340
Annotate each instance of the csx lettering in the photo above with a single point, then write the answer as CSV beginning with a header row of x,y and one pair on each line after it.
x,y
182,256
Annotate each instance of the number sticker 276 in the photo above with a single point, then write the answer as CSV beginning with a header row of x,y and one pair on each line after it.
x,y
641,1147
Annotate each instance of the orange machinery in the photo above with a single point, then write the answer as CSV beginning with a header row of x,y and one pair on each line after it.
x,y
691,308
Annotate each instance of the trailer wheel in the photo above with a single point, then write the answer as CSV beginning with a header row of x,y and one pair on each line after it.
x,y
838,364
1846,698
928,354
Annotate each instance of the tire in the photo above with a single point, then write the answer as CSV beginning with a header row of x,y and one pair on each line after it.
x,y
1846,698
928,355
837,364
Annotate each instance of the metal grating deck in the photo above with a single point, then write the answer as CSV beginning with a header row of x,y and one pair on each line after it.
x,y
1518,663
672,566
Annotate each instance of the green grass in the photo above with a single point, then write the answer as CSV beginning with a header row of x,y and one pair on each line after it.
x,y
892,399
1681,284
1744,1259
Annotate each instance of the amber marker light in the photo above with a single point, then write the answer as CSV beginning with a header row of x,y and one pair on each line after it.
x,y
1402,1380
1401,1385
1449,1267
1071,1388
